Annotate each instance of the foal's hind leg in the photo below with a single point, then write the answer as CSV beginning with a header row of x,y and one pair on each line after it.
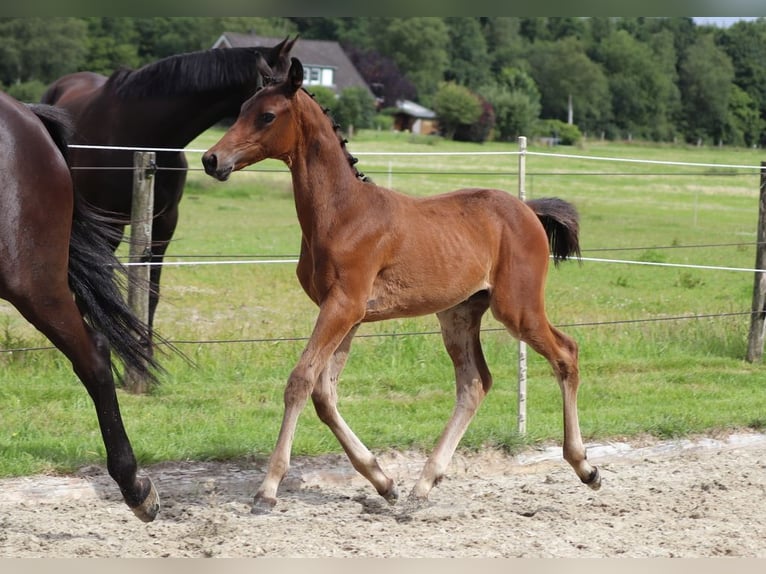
x,y
460,328
57,317
527,320
325,398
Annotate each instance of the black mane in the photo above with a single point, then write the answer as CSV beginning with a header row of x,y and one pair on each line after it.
x,y
352,161
217,68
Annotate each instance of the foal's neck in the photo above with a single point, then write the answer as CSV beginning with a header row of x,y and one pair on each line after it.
x,y
325,180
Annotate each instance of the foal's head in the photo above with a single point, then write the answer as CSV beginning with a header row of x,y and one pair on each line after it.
x,y
265,128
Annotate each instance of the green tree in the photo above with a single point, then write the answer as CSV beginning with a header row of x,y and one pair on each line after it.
x,y
418,46
455,105
355,108
112,43
745,44
40,48
504,41
562,70
640,90
469,61
744,124
516,101
706,75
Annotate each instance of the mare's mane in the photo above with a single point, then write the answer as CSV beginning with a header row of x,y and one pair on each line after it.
x,y
217,68
352,161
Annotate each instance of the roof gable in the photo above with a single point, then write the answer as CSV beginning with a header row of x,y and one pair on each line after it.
x,y
311,53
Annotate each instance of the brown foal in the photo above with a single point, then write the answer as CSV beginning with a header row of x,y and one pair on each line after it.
x,y
370,253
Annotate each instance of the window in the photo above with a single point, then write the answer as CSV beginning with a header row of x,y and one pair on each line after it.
x,y
318,76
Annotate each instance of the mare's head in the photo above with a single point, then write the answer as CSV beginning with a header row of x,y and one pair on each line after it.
x,y
265,128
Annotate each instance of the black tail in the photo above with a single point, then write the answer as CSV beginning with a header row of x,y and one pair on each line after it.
x,y
58,123
98,280
96,277
561,222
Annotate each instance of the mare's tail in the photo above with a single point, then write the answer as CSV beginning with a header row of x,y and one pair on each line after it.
x,y
96,277
561,222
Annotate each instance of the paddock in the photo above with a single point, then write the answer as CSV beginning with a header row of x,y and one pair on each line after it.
x,y
699,497
689,499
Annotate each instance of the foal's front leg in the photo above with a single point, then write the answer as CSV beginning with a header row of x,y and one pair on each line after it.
x,y
337,316
325,399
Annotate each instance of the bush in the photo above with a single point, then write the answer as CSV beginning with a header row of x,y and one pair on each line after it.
x,y
355,107
455,105
562,132
28,92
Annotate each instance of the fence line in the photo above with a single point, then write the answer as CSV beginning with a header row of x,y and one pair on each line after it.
x,y
521,154
478,153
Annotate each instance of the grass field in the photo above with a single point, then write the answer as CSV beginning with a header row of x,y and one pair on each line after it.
x,y
643,370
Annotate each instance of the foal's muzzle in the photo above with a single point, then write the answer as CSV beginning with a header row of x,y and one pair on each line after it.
x,y
210,163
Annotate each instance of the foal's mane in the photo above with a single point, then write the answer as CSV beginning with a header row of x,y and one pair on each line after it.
x,y
352,161
217,68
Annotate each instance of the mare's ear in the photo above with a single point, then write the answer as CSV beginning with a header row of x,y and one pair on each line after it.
x,y
294,77
264,71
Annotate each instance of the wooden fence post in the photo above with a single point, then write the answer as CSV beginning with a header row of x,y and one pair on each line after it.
x,y
755,338
142,212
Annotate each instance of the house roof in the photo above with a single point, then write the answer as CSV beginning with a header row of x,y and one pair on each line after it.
x,y
311,53
415,110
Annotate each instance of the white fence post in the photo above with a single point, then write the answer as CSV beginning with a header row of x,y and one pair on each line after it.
x,y
522,394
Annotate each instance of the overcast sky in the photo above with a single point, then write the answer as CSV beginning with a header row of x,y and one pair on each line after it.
x,y
722,21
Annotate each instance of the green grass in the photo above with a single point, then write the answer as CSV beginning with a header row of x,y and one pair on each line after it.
x,y
666,378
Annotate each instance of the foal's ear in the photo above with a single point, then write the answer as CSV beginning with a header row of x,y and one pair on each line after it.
x,y
294,76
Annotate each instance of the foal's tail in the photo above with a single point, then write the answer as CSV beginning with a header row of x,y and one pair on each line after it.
x,y
96,277
561,222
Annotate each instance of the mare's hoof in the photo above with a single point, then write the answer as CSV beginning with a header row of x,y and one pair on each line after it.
x,y
594,480
263,505
148,509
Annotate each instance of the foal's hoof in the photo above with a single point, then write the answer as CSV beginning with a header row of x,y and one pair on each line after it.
x,y
263,505
148,509
392,496
594,479
413,504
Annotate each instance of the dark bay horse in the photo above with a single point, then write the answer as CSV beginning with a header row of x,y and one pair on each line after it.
x,y
165,104
369,254
53,247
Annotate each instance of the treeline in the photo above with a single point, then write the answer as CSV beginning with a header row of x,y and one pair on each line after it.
x,y
659,79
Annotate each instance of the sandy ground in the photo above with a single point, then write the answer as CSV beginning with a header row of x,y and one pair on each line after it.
x,y
695,498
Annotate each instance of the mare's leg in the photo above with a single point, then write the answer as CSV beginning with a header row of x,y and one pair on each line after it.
x,y
337,316
53,311
460,328
163,227
518,304
325,398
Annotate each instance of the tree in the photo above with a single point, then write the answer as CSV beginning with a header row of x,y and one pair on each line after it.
x,y
112,44
469,62
382,75
745,44
455,105
504,42
40,48
355,108
562,69
418,46
640,90
516,101
706,75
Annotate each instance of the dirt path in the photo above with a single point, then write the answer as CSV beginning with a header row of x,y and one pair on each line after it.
x,y
698,498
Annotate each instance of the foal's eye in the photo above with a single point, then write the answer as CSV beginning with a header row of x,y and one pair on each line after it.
x,y
266,118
